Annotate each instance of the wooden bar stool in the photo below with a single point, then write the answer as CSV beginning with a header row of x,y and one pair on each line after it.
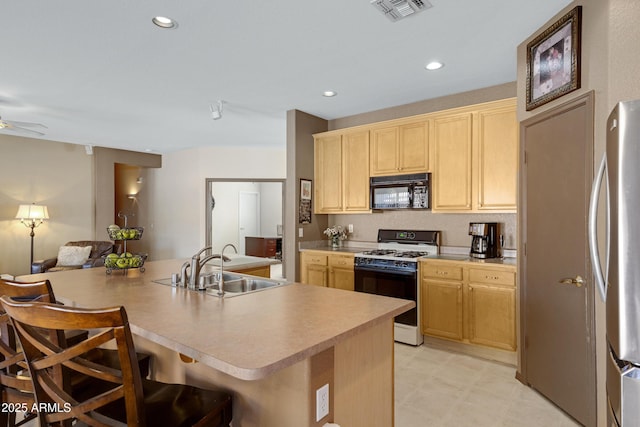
x,y
15,384
121,395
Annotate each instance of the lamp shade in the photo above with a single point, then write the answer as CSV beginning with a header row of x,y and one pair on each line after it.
x,y
32,211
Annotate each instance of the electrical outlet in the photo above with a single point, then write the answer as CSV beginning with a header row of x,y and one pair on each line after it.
x,y
322,402
300,232
350,228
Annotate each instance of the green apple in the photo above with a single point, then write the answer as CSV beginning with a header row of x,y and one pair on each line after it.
x,y
122,263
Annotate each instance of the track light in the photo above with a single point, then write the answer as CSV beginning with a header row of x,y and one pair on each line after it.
x,y
216,112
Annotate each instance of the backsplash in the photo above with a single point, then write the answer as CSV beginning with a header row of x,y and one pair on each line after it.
x,y
454,227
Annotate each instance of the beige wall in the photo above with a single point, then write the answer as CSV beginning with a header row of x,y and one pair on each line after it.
x,y
55,174
300,129
177,198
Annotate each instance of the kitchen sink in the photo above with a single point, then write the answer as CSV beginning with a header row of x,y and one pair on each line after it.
x,y
234,284
240,285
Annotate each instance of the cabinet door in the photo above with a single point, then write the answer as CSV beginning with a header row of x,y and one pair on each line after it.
x,y
442,309
317,275
492,316
414,148
497,158
341,278
384,151
356,171
328,174
452,139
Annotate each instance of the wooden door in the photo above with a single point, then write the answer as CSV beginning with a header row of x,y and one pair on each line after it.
x,y
442,309
356,171
384,151
492,316
452,139
557,320
328,174
342,278
413,155
497,160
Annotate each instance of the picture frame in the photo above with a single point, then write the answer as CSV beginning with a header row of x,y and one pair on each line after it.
x,y
553,60
304,210
305,189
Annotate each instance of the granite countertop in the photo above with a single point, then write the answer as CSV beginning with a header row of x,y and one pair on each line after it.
x,y
249,336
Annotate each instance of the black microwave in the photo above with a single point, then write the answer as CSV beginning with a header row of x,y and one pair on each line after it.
x,y
400,192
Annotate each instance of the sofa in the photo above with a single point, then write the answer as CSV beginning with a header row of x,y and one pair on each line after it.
x,y
74,258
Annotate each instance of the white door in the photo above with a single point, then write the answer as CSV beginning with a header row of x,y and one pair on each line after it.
x,y
248,217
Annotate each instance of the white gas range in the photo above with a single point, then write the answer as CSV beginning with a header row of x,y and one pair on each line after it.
x,y
392,270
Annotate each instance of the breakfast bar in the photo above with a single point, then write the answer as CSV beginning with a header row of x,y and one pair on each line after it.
x,y
272,349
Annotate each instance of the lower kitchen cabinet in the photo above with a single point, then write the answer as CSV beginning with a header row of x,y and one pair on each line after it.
x,y
492,316
341,274
313,268
465,302
442,305
328,269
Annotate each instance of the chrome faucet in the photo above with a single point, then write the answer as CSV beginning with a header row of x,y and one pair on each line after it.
x,y
221,277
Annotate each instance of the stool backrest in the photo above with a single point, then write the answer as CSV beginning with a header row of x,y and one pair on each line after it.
x,y
39,325
14,378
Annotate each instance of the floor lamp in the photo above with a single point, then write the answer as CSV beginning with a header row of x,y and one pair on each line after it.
x,y
32,216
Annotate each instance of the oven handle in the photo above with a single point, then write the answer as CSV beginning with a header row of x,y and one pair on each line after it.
x,y
384,270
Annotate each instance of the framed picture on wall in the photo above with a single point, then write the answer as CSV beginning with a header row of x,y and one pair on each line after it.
x,y
304,213
553,60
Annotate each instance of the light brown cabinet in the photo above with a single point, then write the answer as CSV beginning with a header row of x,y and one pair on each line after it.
x,y
465,302
471,152
401,149
341,172
341,273
475,159
313,268
328,269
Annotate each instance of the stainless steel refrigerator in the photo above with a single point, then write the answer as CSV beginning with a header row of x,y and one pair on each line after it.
x,y
619,283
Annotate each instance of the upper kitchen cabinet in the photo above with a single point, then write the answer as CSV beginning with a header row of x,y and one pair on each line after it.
x,y
400,149
341,171
497,159
452,145
475,152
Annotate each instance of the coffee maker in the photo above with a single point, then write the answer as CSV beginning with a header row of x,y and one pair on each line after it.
x,y
485,242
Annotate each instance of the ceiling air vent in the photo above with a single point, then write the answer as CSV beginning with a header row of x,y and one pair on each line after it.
x,y
396,10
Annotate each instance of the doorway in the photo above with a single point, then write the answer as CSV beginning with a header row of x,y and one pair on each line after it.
x,y
239,208
248,217
556,309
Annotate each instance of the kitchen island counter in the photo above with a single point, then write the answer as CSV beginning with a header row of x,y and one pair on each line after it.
x,y
292,333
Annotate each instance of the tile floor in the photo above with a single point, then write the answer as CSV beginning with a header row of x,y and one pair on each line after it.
x,y
436,388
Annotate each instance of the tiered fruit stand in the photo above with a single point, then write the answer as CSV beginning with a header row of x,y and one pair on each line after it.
x,y
125,260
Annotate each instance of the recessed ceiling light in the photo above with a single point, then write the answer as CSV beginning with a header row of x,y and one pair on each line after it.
x,y
164,22
435,65
329,93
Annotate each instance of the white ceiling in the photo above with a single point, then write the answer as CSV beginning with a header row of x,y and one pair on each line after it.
x,y
100,73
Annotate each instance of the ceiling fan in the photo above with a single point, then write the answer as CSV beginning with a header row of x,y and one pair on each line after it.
x,y
21,126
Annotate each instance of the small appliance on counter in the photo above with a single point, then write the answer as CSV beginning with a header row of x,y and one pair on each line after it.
x,y
486,240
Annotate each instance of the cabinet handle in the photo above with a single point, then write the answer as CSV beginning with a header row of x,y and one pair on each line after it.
x,y
491,277
442,273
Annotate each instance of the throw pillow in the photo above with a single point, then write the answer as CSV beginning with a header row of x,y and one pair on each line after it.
x,y
73,255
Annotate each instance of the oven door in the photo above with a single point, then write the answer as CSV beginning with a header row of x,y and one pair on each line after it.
x,y
390,283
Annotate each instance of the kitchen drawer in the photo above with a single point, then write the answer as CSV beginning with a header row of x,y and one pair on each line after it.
x,y
498,277
315,259
441,271
341,261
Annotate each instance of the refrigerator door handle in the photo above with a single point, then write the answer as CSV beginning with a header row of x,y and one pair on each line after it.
x,y
593,229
